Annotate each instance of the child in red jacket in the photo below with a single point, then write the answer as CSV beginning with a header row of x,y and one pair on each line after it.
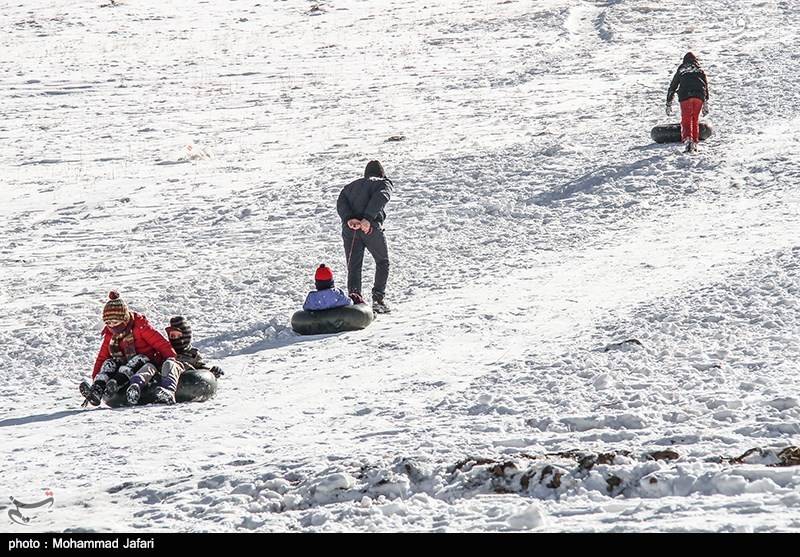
x,y
129,342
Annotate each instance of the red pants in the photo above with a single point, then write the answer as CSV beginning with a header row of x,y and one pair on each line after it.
x,y
690,119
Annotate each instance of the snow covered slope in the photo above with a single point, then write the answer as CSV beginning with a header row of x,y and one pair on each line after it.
x,y
190,154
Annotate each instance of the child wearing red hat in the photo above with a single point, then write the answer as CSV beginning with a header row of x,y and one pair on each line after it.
x,y
326,296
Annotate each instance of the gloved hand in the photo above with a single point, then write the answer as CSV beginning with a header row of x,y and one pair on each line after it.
x,y
669,109
357,299
704,110
217,371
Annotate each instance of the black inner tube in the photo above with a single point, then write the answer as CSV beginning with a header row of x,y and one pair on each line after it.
x,y
671,133
195,385
329,321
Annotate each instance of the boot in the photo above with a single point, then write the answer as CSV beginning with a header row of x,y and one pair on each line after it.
x,y
133,394
378,304
111,388
93,393
165,396
84,388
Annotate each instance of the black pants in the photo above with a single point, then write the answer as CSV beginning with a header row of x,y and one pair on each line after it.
x,y
375,243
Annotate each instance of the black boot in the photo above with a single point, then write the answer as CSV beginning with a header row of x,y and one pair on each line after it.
x,y
84,388
164,396
111,388
379,305
133,393
93,393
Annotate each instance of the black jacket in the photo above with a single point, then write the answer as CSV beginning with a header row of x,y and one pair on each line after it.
x,y
690,82
192,358
364,198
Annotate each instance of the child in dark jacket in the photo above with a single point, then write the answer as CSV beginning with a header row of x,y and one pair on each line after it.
x,y
326,296
180,337
361,206
691,85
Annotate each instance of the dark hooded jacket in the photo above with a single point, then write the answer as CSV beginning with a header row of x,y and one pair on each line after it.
x,y
365,198
689,81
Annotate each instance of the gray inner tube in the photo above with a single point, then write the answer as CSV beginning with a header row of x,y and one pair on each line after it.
x,y
671,133
329,321
195,385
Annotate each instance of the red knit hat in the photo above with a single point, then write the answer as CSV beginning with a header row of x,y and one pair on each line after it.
x,y
116,309
323,277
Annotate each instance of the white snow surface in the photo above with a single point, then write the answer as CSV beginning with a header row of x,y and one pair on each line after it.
x,y
189,154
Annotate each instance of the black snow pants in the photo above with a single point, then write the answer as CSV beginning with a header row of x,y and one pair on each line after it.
x,y
355,241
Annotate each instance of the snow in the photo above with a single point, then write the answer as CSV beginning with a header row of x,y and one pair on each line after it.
x,y
189,155
530,517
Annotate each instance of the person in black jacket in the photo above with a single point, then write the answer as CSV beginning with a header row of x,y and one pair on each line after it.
x,y
180,337
692,87
360,206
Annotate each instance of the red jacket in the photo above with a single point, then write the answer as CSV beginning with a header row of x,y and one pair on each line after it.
x,y
146,339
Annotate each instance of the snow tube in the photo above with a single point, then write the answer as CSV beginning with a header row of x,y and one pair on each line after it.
x,y
336,320
195,385
671,133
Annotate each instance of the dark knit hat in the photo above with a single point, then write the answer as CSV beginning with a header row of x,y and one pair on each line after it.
x,y
689,58
183,342
374,169
323,278
116,309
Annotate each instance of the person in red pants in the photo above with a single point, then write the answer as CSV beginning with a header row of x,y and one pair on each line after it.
x,y
692,87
